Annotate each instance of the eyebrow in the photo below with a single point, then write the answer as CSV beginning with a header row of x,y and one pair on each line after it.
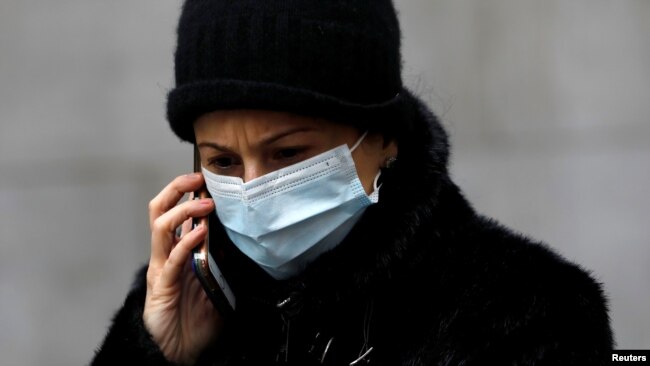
x,y
273,138
264,141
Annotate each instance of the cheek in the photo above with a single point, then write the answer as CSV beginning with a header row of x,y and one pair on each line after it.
x,y
367,168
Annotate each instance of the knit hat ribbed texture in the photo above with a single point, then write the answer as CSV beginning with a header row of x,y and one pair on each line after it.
x,y
336,59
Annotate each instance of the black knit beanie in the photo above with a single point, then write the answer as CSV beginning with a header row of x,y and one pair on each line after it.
x,y
335,59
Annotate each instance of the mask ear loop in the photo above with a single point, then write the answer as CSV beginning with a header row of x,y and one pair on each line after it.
x,y
374,183
356,144
375,187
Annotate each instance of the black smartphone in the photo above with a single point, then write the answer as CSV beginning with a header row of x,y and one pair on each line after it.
x,y
206,258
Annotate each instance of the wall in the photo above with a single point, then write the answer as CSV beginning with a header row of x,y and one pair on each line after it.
x,y
546,102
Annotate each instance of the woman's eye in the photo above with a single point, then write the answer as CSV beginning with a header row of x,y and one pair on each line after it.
x,y
222,162
287,153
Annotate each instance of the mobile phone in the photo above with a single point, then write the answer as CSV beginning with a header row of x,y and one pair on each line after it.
x,y
206,257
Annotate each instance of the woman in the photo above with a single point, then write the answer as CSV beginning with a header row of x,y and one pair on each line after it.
x,y
347,241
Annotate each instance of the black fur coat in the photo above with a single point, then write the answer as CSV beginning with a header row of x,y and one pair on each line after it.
x,y
422,279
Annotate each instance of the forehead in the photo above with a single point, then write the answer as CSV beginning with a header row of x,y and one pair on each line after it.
x,y
259,122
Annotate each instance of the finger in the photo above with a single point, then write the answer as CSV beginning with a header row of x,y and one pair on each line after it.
x,y
172,193
187,224
178,257
186,227
163,233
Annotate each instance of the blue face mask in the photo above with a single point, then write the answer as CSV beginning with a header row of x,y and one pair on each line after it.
x,y
285,219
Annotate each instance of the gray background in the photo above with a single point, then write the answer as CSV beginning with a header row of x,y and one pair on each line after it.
x,y
546,102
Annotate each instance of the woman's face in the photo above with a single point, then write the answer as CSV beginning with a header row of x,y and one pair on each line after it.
x,y
251,143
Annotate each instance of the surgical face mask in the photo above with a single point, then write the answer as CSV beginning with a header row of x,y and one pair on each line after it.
x,y
287,218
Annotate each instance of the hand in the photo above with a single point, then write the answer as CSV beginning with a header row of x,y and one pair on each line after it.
x,y
177,311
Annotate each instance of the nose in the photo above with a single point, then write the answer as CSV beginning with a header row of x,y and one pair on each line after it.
x,y
253,170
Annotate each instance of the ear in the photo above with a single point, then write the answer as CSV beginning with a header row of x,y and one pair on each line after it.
x,y
383,148
389,151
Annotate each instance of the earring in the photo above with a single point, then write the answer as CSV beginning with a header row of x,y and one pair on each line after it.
x,y
390,162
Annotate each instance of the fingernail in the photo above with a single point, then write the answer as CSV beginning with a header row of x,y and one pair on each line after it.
x,y
205,201
193,175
